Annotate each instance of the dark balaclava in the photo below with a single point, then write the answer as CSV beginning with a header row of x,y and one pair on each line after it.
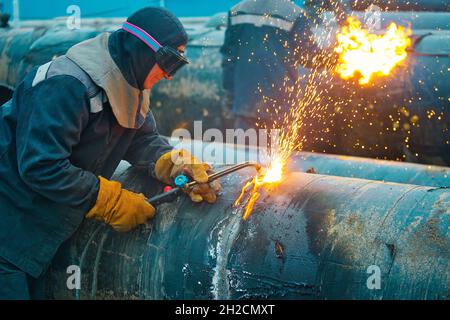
x,y
133,57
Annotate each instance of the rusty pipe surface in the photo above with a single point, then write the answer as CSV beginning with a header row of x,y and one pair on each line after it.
x,y
312,237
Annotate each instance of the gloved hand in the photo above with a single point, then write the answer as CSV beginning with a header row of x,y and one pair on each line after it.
x,y
176,162
120,208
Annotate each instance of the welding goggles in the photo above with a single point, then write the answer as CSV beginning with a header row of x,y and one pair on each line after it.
x,y
168,59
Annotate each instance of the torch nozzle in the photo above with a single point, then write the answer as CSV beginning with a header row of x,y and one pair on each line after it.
x,y
232,169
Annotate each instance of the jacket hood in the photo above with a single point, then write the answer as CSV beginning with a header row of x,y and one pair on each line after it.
x,y
129,104
119,62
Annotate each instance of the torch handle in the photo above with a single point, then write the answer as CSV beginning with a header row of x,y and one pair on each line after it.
x,y
165,197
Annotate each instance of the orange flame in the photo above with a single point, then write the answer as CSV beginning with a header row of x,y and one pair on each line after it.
x,y
370,54
271,176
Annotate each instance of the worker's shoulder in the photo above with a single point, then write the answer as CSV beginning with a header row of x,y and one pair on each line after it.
x,y
65,70
286,9
59,90
61,78
66,67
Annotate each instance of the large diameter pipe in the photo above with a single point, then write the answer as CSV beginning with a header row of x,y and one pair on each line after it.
x,y
311,237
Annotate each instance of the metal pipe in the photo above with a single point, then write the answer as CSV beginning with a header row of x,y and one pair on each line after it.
x,y
366,168
335,165
400,5
312,237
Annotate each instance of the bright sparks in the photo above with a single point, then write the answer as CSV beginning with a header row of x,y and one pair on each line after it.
x,y
271,176
274,172
307,101
366,54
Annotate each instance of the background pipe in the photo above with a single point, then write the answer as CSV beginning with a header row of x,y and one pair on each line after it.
x,y
328,164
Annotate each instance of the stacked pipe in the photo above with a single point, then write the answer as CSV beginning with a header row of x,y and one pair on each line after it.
x,y
328,164
422,85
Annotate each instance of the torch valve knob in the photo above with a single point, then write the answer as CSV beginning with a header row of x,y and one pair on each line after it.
x,y
181,181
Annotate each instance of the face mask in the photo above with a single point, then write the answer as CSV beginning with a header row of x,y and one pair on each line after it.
x,y
168,59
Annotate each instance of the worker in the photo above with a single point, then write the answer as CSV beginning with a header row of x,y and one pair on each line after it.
x,y
65,130
265,42
4,17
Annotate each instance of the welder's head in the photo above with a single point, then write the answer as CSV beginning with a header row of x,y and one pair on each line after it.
x,y
149,47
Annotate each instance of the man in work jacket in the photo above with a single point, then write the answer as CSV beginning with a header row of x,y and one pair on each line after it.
x,y
64,132
264,42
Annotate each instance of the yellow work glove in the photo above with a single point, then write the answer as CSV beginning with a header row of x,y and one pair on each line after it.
x,y
120,208
176,162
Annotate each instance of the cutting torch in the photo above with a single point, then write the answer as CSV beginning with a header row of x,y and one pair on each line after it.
x,y
182,183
